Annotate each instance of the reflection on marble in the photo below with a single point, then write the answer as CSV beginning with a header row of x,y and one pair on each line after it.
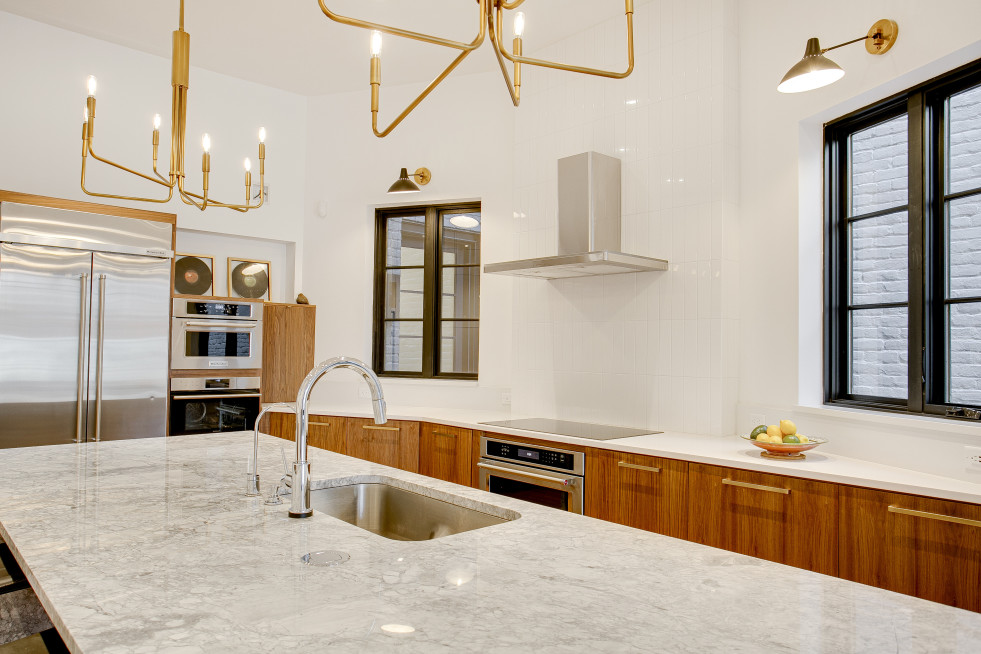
x,y
21,615
151,545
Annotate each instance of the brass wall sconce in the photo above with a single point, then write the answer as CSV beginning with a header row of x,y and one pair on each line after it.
x,y
178,126
405,185
489,20
815,70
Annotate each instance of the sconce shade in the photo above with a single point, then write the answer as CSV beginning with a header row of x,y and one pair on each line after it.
x,y
812,72
403,184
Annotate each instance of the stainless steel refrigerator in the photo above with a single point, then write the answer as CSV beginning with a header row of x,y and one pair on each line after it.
x,y
84,326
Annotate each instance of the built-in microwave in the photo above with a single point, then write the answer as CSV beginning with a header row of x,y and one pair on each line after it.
x,y
216,335
542,475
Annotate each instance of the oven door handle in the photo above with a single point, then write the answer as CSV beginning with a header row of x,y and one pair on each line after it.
x,y
221,396
222,325
568,481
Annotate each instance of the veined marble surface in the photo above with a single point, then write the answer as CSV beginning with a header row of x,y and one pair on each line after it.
x,y
151,546
730,451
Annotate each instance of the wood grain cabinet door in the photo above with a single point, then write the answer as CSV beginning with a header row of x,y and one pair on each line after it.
x,y
445,453
395,444
327,433
281,425
638,491
288,332
783,519
915,545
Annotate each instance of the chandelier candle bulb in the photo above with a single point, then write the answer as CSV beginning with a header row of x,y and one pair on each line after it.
x,y
519,24
92,86
376,43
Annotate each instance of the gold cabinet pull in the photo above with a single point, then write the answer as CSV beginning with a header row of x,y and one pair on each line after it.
x,y
379,428
317,422
768,489
935,516
634,466
445,434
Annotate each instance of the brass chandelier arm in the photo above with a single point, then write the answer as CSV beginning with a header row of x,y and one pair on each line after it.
x,y
515,92
511,5
189,198
161,181
518,59
417,36
170,194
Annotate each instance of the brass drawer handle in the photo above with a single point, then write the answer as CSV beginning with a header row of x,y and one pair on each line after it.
x,y
444,434
379,428
935,516
768,489
634,466
317,422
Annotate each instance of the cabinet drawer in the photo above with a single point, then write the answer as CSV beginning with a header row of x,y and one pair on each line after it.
x,y
395,444
638,491
445,453
327,433
783,519
914,545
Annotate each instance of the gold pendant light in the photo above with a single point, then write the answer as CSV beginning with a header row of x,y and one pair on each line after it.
x,y
489,18
178,126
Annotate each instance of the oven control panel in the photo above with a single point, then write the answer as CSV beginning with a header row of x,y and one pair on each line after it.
x,y
540,456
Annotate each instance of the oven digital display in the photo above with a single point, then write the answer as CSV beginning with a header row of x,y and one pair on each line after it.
x,y
231,309
531,455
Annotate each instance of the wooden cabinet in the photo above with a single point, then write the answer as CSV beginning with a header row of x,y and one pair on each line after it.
x,y
287,349
782,519
281,424
327,433
914,545
396,443
638,491
445,453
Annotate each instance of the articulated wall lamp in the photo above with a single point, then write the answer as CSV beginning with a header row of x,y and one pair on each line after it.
x,y
405,185
815,70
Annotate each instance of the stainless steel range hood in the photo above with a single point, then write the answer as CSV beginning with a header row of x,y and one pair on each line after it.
x,y
589,226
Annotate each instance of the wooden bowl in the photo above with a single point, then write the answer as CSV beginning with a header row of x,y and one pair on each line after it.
x,y
785,451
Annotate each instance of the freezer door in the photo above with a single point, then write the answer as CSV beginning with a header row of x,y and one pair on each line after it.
x,y
44,318
129,355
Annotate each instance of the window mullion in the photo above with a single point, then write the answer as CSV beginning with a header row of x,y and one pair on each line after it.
x,y
915,220
430,299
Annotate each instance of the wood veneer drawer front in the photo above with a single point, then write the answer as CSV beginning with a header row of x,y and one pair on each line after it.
x,y
638,491
445,453
783,519
395,444
282,425
327,433
915,545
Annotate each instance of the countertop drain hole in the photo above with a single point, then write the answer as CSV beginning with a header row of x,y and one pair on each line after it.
x,y
325,558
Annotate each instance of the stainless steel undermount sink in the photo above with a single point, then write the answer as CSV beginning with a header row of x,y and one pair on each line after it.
x,y
397,513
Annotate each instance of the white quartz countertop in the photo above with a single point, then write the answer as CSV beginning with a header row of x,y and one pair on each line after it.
x,y
730,451
150,545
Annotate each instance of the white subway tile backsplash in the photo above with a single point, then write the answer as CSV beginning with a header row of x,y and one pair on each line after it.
x,y
653,349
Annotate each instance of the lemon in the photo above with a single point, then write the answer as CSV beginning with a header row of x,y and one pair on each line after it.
x,y
788,427
803,438
759,429
774,430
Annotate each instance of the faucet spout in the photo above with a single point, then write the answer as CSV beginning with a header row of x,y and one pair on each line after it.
x,y
300,501
252,477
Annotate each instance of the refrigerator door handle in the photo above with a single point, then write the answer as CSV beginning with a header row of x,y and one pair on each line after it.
x,y
82,350
98,359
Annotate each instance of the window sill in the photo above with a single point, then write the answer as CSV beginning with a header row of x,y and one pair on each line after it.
x,y
909,422
415,381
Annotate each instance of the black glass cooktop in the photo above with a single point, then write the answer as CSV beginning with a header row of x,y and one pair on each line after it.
x,y
574,429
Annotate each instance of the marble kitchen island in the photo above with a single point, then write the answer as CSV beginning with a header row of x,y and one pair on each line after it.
x,y
151,545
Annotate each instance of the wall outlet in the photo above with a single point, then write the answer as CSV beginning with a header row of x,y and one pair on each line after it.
x,y
506,398
972,458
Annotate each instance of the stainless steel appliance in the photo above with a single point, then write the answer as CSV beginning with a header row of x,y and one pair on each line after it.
x,y
201,405
543,475
216,334
84,317
587,430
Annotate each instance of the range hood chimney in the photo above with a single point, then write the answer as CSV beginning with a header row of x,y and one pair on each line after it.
x,y
589,226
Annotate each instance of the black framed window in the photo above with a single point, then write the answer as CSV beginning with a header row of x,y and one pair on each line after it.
x,y
427,291
903,255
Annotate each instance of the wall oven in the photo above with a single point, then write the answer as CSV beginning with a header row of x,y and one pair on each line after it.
x,y
212,334
200,405
542,475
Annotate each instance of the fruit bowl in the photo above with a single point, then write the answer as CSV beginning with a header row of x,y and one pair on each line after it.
x,y
787,451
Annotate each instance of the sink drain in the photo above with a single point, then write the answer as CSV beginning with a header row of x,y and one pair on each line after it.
x,y
325,558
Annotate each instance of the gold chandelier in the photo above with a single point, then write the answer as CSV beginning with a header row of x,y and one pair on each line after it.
x,y
178,125
490,18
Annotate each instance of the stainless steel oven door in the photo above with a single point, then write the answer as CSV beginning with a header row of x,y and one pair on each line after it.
x,y
554,489
216,344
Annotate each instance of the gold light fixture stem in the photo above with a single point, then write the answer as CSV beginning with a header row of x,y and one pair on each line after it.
x,y
395,31
511,5
515,92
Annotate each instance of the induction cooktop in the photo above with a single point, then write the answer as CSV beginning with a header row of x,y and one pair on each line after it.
x,y
575,429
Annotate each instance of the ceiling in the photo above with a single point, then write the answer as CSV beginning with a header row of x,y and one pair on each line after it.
x,y
292,45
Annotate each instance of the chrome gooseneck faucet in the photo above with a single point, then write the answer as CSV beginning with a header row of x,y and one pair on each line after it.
x,y
252,477
300,503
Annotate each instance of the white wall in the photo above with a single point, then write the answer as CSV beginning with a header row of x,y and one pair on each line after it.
x,y
643,349
463,134
281,256
780,343
43,94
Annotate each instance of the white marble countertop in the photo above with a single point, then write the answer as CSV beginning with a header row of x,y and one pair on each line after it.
x,y
151,546
730,451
